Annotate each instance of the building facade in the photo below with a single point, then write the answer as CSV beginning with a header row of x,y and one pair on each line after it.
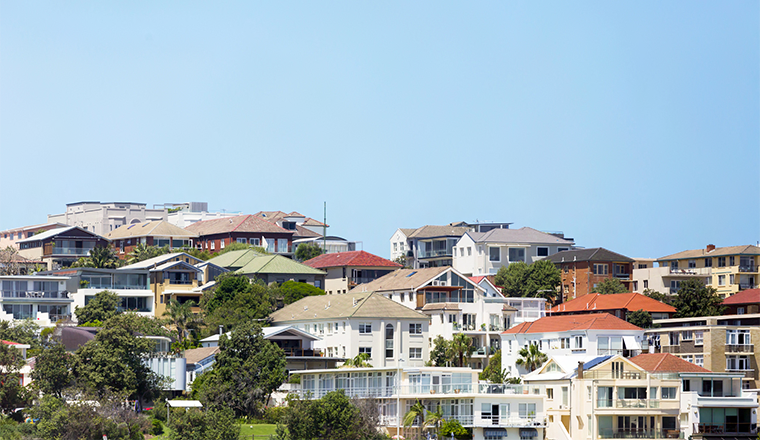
x,y
153,233
60,247
214,235
45,299
102,218
346,270
583,269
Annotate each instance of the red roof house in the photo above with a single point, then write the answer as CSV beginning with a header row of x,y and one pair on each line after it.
x,y
346,270
619,304
745,301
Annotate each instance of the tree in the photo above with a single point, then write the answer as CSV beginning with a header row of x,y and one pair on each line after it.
x,y
247,370
661,297
434,419
9,261
101,257
538,280
452,426
416,411
307,251
530,357
241,247
52,370
640,318
358,361
492,371
513,279
12,394
143,252
609,286
182,317
334,416
441,354
23,331
462,348
696,299
235,301
100,308
403,261
214,424
292,291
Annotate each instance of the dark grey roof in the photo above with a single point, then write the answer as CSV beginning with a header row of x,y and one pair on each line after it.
x,y
593,254
522,235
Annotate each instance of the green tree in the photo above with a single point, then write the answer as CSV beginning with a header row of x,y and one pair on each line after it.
x,y
23,331
452,426
247,370
52,370
334,416
661,297
434,419
361,360
100,308
292,291
403,261
513,279
492,371
101,257
441,354
241,247
182,317
417,411
609,286
12,394
640,318
696,299
143,252
236,301
543,280
462,348
214,424
307,251
530,357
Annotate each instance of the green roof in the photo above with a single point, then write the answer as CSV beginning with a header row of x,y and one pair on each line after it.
x,y
251,262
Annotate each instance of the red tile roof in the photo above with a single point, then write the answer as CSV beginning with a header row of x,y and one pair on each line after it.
x,y
240,223
666,363
353,258
9,342
749,296
595,321
630,301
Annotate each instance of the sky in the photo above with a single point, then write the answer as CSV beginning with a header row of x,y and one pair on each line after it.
x,y
634,126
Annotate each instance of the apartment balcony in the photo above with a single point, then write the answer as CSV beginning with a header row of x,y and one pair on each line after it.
x,y
639,433
727,428
35,296
637,404
623,276
302,352
745,286
748,374
743,348
534,421
748,269
66,251
436,253
690,272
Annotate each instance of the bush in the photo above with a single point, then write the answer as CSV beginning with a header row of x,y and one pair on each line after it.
x,y
275,414
157,427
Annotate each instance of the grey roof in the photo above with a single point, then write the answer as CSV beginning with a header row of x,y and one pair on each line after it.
x,y
522,235
348,305
402,279
170,264
593,254
161,259
53,232
717,252
432,231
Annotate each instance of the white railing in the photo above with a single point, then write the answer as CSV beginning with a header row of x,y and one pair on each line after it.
x,y
429,390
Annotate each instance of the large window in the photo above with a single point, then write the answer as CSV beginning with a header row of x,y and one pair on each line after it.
x,y
415,353
737,363
542,251
516,254
601,269
389,341
365,328
415,329
494,254
738,337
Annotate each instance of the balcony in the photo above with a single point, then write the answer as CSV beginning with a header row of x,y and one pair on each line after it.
x,y
745,286
435,253
77,252
673,349
690,272
305,352
740,348
748,269
728,428
748,374
639,433
34,295
535,421
637,404
623,276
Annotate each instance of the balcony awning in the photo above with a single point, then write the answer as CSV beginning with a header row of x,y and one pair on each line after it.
x,y
631,343
494,432
528,433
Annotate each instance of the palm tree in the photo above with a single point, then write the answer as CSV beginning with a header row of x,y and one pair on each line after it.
x,y
434,419
103,257
358,361
181,316
417,410
531,358
462,348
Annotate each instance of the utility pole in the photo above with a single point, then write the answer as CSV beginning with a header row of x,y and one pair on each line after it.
x,y
324,231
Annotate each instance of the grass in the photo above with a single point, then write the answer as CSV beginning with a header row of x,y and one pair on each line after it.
x,y
263,430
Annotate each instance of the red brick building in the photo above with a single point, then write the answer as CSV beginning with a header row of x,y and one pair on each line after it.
x,y
583,269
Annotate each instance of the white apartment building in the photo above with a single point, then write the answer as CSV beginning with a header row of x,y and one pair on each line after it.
x,y
484,253
43,299
492,411
102,218
131,285
361,322
594,334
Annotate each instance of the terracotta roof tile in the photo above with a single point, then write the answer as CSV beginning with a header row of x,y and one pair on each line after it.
x,y
749,296
666,363
352,258
596,321
728,250
240,223
629,301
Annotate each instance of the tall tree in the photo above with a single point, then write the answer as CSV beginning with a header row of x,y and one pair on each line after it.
x,y
100,308
52,370
417,411
531,357
143,252
696,299
12,394
292,291
640,318
236,301
101,257
441,354
492,371
182,317
543,280
334,416
661,297
513,279
609,286
307,251
361,360
462,348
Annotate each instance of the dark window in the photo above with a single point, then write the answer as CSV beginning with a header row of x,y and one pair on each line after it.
x,y
542,252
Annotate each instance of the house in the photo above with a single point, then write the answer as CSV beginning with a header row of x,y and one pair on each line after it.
x,y
746,301
214,235
185,214
484,253
431,245
727,269
10,237
330,245
198,361
269,268
453,302
620,305
594,334
346,270
60,247
303,227
159,233
102,218
360,322
400,244
583,269
43,298
490,411
718,343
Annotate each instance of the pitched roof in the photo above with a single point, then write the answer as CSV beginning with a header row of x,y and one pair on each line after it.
x,y
717,252
57,231
276,216
195,355
352,258
248,261
404,279
348,305
551,324
159,260
160,228
666,363
240,223
430,231
408,231
629,301
593,254
748,296
522,235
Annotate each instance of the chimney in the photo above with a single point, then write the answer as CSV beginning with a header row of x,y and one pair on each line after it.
x,y
580,370
710,247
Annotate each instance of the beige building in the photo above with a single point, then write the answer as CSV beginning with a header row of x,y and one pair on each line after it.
x,y
10,237
346,270
102,218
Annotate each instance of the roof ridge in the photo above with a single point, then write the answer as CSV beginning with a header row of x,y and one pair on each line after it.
x,y
245,217
662,359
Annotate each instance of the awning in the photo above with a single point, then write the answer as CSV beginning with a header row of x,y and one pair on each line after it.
x,y
528,432
631,343
184,404
494,432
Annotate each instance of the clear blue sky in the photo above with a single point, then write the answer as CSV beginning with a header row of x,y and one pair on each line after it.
x,y
634,126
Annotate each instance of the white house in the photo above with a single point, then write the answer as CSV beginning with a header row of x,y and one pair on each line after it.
x,y
42,298
484,253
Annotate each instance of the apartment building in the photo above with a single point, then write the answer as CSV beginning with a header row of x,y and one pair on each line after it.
x,y
185,214
484,253
60,247
593,334
620,305
718,343
103,217
10,237
360,322
158,233
42,298
492,411
727,269
346,270
583,269
214,235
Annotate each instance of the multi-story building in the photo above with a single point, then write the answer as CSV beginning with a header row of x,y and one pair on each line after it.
x,y
303,227
185,214
360,322
453,303
718,343
214,235
484,253
60,247
159,233
595,334
42,298
491,411
330,244
744,302
727,269
583,269
620,305
102,218
269,268
346,270
10,237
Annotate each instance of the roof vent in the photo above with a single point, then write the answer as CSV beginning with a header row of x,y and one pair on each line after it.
x,y
354,301
305,308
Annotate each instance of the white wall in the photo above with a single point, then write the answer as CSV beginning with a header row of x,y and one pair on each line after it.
x,y
479,262
399,238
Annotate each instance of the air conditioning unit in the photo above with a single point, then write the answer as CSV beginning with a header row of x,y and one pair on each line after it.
x,y
436,283
442,283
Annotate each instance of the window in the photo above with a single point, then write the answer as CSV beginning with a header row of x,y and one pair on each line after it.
x,y
731,279
455,251
737,362
565,396
550,393
601,269
708,262
739,310
738,337
527,410
578,342
469,251
494,254
588,393
389,341
699,337
415,353
674,264
344,326
321,329
242,240
213,244
564,342
646,284
516,254
721,261
365,328
415,329
221,244
395,247
329,328
542,251
367,350
562,249
699,360
687,335
731,261
668,393
692,264
721,280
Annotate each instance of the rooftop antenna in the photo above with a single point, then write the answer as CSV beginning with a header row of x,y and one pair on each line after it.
x,y
324,231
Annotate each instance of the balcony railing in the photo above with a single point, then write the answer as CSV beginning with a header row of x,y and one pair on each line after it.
x,y
171,281
536,420
728,428
740,348
435,253
638,433
748,268
627,375
671,348
637,404
442,389
308,352
745,286
71,251
65,317
691,271
63,294
749,374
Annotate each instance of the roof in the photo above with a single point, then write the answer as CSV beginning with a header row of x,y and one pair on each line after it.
x,y
407,231
42,225
248,261
629,301
161,259
348,305
748,296
195,355
239,223
352,258
522,235
552,324
184,404
57,231
276,216
160,228
593,254
430,231
717,252
568,363
402,279
666,363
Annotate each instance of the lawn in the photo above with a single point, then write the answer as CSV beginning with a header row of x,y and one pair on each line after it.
x,y
247,430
